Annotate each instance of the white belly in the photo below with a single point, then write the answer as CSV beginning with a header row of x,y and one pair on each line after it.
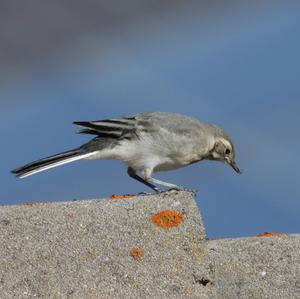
x,y
141,156
148,154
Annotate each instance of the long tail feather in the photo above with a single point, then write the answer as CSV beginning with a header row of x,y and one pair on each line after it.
x,y
50,162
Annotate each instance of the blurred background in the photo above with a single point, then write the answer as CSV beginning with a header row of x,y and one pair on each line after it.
x,y
233,63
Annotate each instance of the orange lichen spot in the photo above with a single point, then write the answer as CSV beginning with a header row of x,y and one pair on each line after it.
x,y
118,196
137,253
34,203
268,234
167,218
70,215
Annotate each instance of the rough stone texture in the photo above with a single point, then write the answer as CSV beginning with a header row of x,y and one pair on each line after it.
x,y
256,267
112,249
82,249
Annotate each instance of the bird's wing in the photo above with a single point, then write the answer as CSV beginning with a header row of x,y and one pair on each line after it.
x,y
132,126
172,123
110,128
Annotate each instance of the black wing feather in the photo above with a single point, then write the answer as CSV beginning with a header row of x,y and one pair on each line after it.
x,y
109,128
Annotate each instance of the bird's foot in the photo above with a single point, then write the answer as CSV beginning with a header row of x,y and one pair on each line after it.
x,y
183,189
144,193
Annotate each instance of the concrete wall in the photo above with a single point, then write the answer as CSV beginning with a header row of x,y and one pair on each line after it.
x,y
137,247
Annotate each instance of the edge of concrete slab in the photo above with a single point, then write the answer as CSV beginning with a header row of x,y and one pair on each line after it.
x,y
142,246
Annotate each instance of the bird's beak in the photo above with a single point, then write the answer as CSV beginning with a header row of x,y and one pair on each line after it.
x,y
235,167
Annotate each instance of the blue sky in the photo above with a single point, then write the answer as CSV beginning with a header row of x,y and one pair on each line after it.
x,y
239,69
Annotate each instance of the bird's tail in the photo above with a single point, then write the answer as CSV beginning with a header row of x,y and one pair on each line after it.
x,y
50,162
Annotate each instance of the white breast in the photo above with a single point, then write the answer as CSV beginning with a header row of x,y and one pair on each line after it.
x,y
157,155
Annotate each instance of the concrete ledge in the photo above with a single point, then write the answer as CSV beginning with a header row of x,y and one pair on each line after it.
x,y
256,267
138,247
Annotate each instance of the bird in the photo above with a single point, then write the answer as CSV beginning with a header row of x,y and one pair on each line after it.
x,y
147,143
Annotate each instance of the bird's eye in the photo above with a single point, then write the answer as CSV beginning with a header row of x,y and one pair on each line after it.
x,y
227,151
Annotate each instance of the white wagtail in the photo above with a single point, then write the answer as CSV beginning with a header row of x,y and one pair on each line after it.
x,y
147,142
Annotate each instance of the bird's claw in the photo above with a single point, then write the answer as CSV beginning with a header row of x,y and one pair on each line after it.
x,y
183,189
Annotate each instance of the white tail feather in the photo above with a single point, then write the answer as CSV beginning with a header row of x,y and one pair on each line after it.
x,y
55,164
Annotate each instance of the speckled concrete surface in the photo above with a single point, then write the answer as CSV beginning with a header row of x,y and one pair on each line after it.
x,y
249,268
83,249
150,246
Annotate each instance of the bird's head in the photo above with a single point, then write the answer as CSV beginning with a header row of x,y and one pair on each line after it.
x,y
223,151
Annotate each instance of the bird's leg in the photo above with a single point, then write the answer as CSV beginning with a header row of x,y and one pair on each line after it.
x,y
131,172
151,180
162,183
